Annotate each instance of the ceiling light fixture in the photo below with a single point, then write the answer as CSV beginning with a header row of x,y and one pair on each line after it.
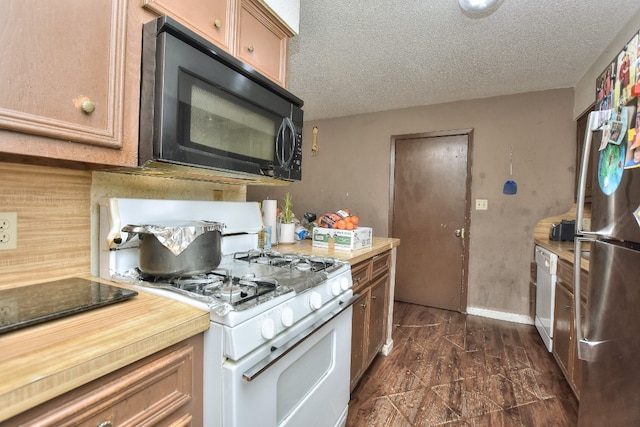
x,y
479,6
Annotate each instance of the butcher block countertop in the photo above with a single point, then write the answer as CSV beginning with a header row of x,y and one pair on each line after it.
x,y
43,361
379,245
564,250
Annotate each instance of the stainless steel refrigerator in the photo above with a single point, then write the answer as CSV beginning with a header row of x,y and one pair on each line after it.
x,y
608,339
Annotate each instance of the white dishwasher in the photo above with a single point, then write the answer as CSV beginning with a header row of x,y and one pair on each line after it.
x,y
546,263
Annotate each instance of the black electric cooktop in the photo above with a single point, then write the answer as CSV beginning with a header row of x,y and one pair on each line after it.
x,y
28,305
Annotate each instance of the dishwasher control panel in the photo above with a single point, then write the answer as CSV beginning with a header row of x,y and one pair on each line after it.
x,y
546,260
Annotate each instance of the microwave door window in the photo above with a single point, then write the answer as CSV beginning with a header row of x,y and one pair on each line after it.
x,y
227,126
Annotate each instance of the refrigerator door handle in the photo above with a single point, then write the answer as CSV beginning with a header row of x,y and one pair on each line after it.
x,y
593,124
585,348
588,350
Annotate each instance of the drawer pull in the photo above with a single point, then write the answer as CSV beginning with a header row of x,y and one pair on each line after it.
x,y
217,23
105,424
88,107
250,48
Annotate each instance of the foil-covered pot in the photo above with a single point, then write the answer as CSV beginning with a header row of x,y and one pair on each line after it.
x,y
178,249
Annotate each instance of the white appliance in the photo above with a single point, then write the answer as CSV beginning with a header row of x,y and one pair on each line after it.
x,y
278,358
546,265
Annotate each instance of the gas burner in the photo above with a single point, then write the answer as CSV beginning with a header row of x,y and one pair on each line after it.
x,y
200,284
241,291
303,267
229,292
294,261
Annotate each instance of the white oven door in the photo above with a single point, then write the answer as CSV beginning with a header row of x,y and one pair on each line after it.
x,y
304,382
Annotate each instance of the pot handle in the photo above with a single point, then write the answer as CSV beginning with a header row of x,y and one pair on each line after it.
x,y
114,237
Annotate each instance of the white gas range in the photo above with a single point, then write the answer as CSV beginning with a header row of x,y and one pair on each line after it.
x,y
278,349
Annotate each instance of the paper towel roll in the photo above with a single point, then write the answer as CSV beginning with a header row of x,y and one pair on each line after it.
x,y
269,217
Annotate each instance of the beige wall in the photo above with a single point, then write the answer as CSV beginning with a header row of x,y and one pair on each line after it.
x,y
352,171
58,215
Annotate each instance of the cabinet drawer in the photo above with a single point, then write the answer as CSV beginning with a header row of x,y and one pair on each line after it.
x,y
565,275
380,264
156,391
212,19
361,274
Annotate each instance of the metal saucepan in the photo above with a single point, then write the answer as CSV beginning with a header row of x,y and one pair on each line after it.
x,y
178,249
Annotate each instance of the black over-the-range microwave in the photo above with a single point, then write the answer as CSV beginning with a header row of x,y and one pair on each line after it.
x,y
200,107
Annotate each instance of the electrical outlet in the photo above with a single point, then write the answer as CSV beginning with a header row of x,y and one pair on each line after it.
x,y
482,204
8,311
8,230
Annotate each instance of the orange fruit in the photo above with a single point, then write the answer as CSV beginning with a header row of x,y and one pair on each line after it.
x,y
350,226
354,219
341,225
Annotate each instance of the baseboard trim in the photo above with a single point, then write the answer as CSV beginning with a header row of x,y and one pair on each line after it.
x,y
386,348
500,315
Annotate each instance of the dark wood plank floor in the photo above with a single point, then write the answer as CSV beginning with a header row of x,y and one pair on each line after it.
x,y
451,369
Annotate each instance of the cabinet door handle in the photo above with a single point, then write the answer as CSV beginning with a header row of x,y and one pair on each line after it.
x,y
105,424
88,107
363,305
217,23
250,48
373,297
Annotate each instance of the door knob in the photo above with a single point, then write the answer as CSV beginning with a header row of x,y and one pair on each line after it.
x,y
460,232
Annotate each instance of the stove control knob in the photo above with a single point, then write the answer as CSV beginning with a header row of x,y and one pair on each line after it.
x,y
286,317
315,301
344,284
335,288
268,329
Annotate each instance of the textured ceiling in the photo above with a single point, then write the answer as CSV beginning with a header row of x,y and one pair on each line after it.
x,y
362,56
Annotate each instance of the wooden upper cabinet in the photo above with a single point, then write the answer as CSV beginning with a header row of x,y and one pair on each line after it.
x,y
262,42
213,19
244,28
63,68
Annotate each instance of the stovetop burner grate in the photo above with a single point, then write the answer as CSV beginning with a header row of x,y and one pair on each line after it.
x,y
278,259
239,292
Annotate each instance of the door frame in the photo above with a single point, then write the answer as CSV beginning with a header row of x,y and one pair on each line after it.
x,y
467,214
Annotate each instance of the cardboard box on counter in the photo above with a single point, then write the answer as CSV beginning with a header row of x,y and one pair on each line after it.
x,y
345,240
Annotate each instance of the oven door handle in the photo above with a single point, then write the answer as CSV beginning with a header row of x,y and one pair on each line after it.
x,y
253,372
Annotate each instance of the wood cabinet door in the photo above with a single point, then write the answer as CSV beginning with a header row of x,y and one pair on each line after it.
x,y
159,390
213,19
262,43
63,77
358,338
377,316
576,374
563,328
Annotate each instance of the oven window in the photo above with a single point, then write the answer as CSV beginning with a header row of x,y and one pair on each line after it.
x,y
225,124
302,377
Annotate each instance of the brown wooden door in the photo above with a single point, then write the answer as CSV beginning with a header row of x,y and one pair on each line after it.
x,y
430,211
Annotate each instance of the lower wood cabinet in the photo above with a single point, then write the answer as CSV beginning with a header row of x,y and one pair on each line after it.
x,y
564,334
563,328
164,389
371,281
